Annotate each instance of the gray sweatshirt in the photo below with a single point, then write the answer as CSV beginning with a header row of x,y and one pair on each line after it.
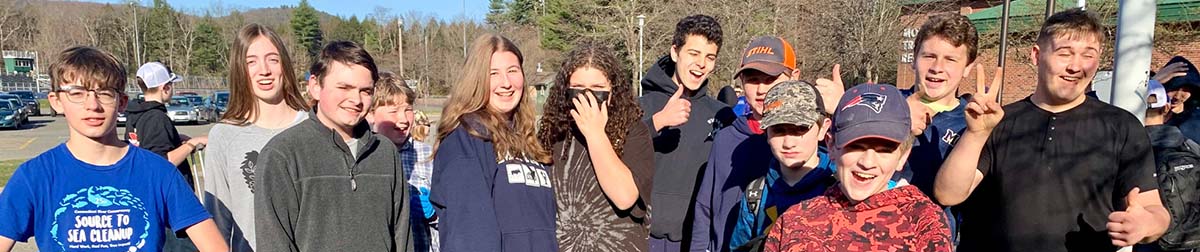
x,y
311,194
229,178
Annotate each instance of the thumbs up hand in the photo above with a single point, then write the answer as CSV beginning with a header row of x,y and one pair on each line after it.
x,y
1131,226
675,112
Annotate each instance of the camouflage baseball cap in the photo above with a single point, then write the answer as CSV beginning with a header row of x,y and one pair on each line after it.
x,y
792,102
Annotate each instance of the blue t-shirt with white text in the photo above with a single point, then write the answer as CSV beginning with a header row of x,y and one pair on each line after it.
x,y
69,205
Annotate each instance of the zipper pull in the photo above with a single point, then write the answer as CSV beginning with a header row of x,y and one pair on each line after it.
x,y
353,184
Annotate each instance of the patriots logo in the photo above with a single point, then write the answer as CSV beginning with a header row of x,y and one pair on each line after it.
x,y
871,100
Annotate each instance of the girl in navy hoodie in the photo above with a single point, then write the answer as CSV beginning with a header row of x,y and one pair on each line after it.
x,y
603,157
491,191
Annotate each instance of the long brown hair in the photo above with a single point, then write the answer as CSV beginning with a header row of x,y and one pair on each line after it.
x,y
470,96
242,104
623,109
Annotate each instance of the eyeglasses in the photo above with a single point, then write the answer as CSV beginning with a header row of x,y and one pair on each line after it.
x,y
78,94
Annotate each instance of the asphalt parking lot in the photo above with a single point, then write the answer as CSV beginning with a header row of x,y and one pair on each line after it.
x,y
43,132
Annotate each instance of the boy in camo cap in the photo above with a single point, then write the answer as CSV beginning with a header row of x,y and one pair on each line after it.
x,y
794,121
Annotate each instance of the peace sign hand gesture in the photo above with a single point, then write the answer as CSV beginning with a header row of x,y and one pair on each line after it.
x,y
983,111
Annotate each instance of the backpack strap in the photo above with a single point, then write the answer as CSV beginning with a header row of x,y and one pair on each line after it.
x,y
754,194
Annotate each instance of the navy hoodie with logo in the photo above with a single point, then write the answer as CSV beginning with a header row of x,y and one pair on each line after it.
x,y
488,204
738,157
680,153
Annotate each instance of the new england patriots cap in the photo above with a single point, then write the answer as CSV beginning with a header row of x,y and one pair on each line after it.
x,y
871,111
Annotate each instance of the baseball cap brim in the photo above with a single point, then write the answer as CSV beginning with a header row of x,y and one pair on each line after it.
x,y
769,68
772,121
891,131
176,78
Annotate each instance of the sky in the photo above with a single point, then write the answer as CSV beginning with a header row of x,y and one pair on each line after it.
x,y
442,9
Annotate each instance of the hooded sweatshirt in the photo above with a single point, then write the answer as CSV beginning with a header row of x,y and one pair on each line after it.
x,y
149,127
680,153
738,157
313,192
900,219
487,204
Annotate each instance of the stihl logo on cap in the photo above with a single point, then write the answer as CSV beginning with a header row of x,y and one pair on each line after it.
x,y
760,50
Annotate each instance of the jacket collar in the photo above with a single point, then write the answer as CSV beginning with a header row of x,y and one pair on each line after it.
x,y
361,131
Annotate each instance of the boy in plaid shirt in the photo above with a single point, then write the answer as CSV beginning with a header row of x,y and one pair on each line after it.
x,y
392,115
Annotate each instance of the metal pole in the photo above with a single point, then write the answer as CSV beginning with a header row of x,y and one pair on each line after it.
x,y
1003,48
137,38
400,30
1049,8
1131,66
1082,4
641,53
464,14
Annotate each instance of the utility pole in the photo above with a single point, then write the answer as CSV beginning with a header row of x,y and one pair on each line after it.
x,y
1049,8
1003,48
137,36
464,24
641,55
400,47
1131,65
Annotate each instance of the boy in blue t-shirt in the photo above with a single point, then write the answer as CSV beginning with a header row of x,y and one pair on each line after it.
x,y
96,192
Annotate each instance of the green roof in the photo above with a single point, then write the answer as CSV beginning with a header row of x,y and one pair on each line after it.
x,y
1028,14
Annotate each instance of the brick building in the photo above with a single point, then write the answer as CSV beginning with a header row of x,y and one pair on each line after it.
x,y
1025,18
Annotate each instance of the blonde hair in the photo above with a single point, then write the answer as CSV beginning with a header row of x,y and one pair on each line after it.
x,y
470,96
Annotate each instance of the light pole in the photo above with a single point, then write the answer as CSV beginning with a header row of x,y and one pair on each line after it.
x,y
137,38
464,14
400,47
641,55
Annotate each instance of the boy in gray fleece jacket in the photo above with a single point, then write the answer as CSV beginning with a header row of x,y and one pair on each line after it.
x,y
328,183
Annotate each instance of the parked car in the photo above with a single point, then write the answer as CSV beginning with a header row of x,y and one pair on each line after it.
x,y
181,110
30,100
219,100
10,115
24,107
207,112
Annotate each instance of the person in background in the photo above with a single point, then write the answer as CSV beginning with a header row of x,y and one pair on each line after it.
x,y
391,115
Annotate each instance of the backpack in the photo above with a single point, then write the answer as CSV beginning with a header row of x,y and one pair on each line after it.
x,y
754,201
1179,186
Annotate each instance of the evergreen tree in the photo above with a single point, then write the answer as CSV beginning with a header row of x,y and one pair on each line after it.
x,y
207,53
306,29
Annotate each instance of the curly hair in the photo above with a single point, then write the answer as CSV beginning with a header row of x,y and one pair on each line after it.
x,y
952,27
700,25
623,108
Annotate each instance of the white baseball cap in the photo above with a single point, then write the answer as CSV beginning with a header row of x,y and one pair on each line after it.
x,y
155,74
1156,89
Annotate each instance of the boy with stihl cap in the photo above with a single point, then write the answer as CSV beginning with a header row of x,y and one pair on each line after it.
x,y
871,141
740,153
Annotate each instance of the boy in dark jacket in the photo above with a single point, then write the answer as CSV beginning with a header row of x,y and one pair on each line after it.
x,y
329,183
682,118
740,153
150,127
